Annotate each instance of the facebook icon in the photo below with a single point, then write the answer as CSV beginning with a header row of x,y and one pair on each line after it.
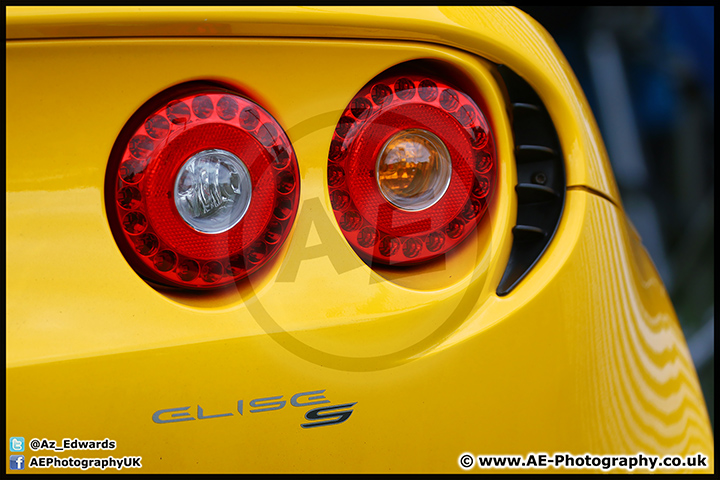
x,y
17,462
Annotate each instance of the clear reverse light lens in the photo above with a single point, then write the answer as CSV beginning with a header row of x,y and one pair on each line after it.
x,y
213,191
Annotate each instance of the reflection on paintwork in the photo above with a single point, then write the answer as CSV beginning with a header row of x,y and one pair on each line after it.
x,y
629,379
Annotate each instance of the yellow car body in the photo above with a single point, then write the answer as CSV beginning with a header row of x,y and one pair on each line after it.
x,y
584,355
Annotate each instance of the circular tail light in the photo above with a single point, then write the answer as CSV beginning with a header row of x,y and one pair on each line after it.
x,y
201,188
411,169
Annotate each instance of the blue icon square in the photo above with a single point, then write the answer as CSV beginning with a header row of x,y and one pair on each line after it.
x,y
17,444
17,462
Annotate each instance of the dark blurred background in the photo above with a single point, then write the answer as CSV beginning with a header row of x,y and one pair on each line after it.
x,y
648,73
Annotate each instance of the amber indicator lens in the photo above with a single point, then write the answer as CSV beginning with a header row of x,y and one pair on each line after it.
x,y
413,169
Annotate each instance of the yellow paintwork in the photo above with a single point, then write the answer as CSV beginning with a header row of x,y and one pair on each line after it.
x,y
585,356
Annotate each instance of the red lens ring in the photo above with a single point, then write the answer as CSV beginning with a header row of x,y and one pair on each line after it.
x,y
379,231
141,174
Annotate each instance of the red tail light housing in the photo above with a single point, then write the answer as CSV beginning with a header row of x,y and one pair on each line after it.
x,y
202,188
408,210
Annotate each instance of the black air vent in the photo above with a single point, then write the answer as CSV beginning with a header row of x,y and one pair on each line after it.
x,y
541,179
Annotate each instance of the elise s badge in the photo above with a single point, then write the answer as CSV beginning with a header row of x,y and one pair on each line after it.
x,y
316,417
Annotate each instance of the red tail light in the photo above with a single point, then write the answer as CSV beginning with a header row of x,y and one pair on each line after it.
x,y
411,169
203,190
